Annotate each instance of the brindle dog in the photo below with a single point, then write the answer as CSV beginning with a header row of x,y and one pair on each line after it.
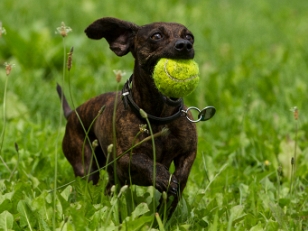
x,y
147,44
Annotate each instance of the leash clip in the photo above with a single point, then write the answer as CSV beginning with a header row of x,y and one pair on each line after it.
x,y
204,114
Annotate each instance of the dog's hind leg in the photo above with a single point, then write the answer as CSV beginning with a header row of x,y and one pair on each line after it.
x,y
81,155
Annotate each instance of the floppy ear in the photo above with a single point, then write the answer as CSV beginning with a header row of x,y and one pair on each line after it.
x,y
119,34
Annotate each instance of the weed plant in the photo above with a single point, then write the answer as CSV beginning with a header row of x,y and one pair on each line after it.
x,y
251,171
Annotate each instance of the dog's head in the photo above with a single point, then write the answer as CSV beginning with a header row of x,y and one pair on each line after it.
x,y
147,43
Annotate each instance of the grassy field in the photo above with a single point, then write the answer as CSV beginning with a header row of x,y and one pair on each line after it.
x,y
253,57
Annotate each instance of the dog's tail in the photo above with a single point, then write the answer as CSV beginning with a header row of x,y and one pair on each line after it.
x,y
65,106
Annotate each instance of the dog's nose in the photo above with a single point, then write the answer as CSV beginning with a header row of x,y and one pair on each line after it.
x,y
183,45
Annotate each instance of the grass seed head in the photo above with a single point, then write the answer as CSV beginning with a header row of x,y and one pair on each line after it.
x,y
295,112
164,195
63,30
292,161
122,190
119,74
109,148
8,68
143,128
2,30
16,147
94,143
165,131
143,113
113,188
69,59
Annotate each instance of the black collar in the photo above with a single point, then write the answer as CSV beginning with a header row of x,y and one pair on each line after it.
x,y
128,100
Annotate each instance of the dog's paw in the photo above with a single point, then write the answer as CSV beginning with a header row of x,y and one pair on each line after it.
x,y
167,184
173,186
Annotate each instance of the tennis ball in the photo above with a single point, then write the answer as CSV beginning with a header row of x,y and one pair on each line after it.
x,y
176,78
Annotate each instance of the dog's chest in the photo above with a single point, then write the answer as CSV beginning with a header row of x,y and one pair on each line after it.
x,y
169,144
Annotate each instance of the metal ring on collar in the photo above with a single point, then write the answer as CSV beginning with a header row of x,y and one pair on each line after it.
x,y
186,114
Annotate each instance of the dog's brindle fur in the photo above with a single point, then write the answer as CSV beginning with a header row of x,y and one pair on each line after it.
x,y
147,44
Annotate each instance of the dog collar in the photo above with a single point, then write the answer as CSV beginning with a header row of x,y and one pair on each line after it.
x,y
128,100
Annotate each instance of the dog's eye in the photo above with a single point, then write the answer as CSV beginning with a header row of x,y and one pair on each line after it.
x,y
189,37
157,36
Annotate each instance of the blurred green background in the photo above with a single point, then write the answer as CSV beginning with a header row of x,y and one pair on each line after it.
x,y
253,58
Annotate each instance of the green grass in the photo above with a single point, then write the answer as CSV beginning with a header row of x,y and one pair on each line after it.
x,y
253,58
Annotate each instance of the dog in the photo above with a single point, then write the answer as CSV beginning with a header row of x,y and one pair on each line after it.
x,y
147,44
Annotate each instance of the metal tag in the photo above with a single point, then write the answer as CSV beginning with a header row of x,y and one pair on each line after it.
x,y
207,113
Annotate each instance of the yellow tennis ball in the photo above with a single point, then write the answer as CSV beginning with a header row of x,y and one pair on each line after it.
x,y
176,78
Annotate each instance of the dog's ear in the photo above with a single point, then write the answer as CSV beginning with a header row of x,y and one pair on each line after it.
x,y
119,34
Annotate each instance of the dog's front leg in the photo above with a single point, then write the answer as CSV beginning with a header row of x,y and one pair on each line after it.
x,y
139,169
183,166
